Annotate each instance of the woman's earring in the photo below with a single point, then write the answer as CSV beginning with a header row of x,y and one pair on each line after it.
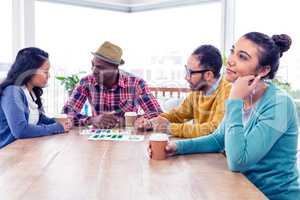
x,y
254,91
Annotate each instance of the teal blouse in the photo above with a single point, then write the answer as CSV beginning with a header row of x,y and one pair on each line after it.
x,y
264,150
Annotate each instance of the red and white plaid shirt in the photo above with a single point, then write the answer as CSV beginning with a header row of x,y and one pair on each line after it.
x,y
127,96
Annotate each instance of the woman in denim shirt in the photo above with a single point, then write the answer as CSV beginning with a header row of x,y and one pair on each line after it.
x,y
21,109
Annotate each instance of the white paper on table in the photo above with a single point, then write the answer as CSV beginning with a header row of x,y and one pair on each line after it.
x,y
118,136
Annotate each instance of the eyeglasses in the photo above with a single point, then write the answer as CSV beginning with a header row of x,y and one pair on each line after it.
x,y
190,72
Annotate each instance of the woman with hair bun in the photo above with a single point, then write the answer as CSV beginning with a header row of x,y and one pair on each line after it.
x,y
21,108
259,131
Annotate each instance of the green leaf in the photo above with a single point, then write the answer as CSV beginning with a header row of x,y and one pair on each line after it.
x,y
61,78
70,81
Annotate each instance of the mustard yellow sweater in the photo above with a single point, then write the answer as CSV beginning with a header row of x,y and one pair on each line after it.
x,y
205,111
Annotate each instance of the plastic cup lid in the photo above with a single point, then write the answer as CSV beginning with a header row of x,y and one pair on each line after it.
x,y
130,114
159,137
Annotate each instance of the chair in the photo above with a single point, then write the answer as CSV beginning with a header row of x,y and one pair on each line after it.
x,y
169,98
168,90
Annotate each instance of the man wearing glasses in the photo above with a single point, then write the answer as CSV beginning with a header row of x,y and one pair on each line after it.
x,y
110,91
204,105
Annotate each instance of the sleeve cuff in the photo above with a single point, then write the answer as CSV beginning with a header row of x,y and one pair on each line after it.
x,y
151,115
85,121
179,147
58,128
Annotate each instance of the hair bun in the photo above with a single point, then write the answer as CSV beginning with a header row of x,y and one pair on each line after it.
x,y
283,42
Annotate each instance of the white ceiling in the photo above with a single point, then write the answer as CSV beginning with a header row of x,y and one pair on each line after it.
x,y
130,5
129,2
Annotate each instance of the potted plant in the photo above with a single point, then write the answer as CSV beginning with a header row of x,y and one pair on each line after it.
x,y
69,81
283,85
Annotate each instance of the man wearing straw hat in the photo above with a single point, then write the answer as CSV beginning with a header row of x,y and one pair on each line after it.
x,y
110,91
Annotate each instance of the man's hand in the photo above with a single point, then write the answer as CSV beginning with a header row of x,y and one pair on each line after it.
x,y
105,120
160,124
142,123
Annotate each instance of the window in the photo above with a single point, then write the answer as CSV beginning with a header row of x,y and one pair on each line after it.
x,y
156,44
273,17
6,34
161,40
69,38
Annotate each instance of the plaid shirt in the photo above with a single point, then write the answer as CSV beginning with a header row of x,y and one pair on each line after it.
x,y
127,96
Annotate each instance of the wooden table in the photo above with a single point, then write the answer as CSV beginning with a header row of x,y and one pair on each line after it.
x,y
69,166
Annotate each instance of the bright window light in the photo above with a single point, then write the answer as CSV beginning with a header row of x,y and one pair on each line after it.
x,y
273,17
6,32
156,44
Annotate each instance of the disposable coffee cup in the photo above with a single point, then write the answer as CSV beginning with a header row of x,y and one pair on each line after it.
x,y
61,118
158,143
130,118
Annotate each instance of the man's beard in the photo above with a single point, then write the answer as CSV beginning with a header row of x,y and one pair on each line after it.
x,y
199,86
104,79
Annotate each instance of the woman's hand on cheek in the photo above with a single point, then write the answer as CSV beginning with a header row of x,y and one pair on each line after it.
x,y
243,86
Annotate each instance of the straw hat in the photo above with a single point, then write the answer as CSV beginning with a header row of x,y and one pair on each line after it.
x,y
110,53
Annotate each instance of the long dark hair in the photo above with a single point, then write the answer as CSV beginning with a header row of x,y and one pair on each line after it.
x,y
27,62
271,49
